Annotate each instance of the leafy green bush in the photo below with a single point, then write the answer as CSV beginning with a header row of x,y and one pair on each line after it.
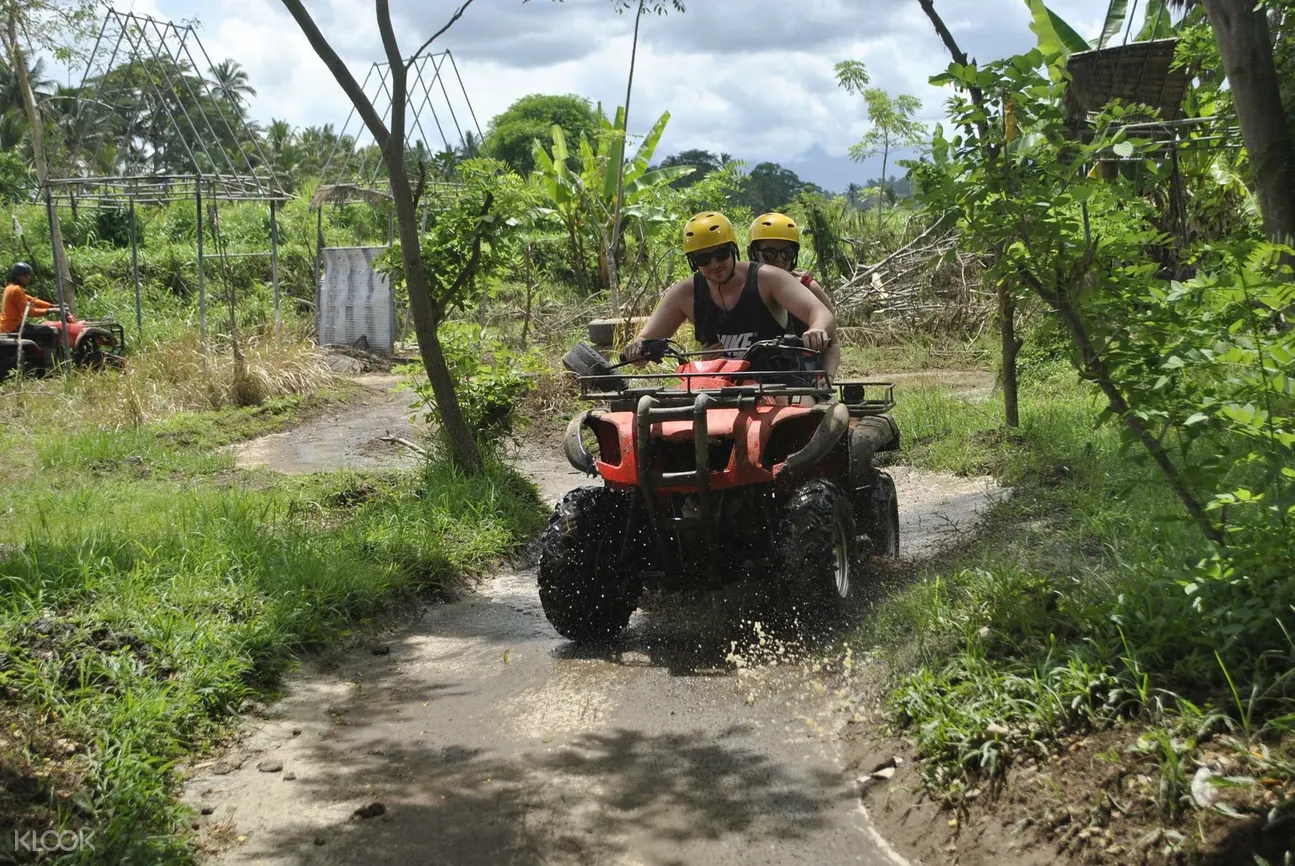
x,y
490,380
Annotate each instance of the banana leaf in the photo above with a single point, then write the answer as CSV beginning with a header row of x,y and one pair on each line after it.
x,y
1159,23
655,178
614,144
1116,14
1055,35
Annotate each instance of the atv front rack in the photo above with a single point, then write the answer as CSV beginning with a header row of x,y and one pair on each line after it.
x,y
676,389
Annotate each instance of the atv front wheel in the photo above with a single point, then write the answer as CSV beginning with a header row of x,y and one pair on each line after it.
x,y
587,593
816,547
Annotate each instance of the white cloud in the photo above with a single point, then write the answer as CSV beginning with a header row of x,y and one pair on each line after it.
x,y
752,78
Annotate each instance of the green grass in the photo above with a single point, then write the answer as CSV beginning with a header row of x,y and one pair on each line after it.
x,y
923,353
1084,604
148,588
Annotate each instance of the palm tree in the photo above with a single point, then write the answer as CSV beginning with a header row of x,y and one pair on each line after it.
x,y
854,195
13,113
230,80
470,149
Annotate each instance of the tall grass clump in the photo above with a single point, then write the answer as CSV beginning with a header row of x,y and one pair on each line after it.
x,y
136,617
1091,601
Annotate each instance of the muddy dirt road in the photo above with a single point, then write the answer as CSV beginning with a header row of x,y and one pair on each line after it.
x,y
477,736
345,437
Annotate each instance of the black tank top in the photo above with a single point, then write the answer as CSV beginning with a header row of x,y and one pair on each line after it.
x,y
748,322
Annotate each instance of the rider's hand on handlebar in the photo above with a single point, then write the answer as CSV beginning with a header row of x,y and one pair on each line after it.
x,y
641,351
633,353
816,339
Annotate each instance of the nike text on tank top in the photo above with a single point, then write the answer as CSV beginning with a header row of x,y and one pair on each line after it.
x,y
748,322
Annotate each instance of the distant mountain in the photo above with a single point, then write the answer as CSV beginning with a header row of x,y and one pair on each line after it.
x,y
836,172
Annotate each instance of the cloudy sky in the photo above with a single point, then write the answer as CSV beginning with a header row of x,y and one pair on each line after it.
x,y
752,78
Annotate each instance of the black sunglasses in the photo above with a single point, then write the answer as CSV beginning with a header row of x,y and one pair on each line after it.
x,y
701,260
776,254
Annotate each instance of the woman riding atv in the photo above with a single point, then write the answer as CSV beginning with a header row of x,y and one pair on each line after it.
x,y
733,304
775,240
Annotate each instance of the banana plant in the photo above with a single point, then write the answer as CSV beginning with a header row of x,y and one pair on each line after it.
x,y
585,201
565,192
1059,39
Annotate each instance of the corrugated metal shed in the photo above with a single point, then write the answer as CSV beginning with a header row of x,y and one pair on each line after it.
x,y
355,301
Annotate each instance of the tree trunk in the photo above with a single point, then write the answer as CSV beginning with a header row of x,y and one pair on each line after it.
x,y
1011,346
1245,45
36,128
881,192
463,444
612,253
1006,303
530,294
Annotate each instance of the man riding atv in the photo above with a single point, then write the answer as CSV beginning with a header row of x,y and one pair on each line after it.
x,y
743,464
39,348
733,304
18,305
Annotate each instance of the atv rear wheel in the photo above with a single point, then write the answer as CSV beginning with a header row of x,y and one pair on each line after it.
x,y
816,548
585,360
883,518
587,593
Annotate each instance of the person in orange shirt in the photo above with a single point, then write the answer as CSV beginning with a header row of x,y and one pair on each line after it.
x,y
15,305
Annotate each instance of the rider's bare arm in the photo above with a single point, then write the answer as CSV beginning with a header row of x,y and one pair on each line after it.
x,y
792,295
674,309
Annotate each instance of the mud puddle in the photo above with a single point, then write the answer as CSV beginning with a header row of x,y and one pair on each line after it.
x,y
349,436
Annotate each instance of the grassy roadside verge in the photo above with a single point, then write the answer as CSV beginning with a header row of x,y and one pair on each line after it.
x,y
148,589
1083,610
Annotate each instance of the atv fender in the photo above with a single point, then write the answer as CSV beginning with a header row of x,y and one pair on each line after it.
x,y
835,421
577,454
97,335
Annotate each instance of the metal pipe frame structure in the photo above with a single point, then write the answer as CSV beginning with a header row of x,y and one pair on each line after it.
x,y
355,159
222,159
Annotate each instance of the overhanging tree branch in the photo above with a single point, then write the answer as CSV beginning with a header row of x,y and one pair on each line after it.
x,y
959,57
458,13
343,75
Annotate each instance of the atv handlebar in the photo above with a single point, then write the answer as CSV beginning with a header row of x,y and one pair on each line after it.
x,y
658,349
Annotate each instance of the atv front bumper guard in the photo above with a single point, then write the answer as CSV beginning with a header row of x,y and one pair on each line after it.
x,y
833,422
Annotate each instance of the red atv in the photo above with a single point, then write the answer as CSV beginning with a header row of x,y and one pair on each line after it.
x,y
92,346
726,470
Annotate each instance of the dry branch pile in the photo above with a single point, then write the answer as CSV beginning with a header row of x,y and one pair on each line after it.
x,y
927,285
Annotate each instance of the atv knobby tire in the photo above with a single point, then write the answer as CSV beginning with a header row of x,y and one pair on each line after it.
x,y
585,360
817,549
883,520
586,593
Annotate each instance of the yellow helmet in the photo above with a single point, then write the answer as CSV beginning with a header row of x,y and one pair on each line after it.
x,y
706,230
775,227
